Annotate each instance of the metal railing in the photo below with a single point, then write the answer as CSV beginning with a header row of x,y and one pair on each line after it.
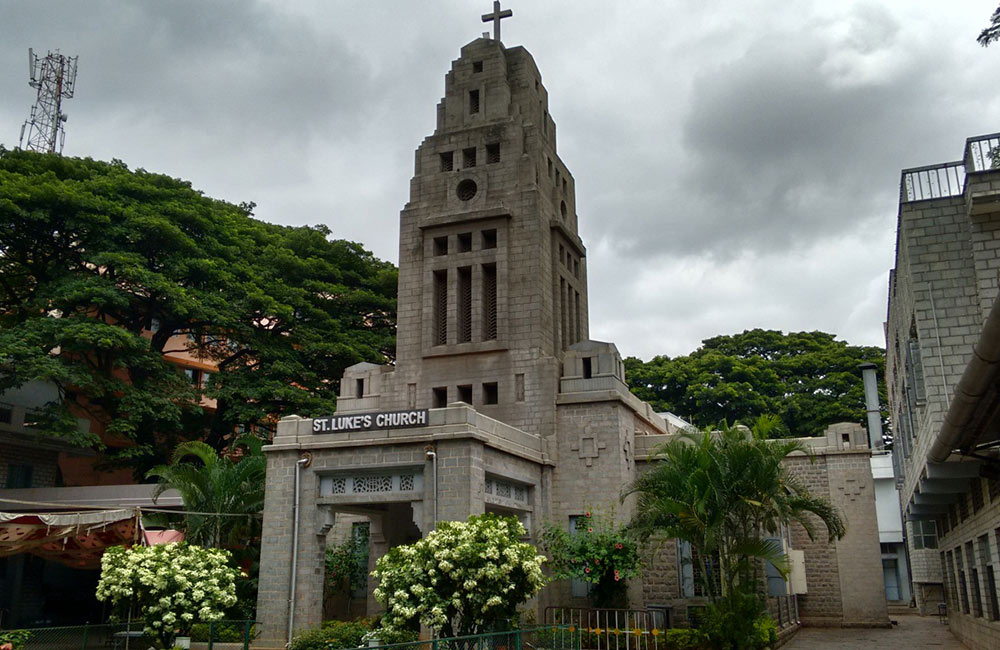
x,y
221,635
982,153
933,182
549,637
614,629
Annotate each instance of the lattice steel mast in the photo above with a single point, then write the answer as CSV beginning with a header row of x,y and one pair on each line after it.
x,y
55,78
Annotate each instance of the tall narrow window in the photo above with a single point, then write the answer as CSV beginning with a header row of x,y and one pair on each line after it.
x,y
447,161
440,307
572,309
489,302
359,388
588,367
360,533
973,570
989,579
563,315
464,304
576,315
469,157
473,101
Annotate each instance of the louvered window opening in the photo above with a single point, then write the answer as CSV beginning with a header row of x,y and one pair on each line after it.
x,y
464,304
489,302
440,308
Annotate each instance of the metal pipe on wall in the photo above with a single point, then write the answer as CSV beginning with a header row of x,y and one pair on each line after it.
x,y
295,548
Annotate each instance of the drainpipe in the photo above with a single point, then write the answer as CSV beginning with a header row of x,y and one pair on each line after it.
x,y
871,405
299,464
973,385
429,451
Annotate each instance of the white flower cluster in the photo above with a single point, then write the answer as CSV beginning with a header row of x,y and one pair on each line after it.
x,y
470,574
176,585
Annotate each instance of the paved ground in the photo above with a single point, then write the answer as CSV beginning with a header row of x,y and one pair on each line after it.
x,y
912,633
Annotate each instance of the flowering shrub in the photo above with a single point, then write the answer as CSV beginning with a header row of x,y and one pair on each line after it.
x,y
463,578
597,552
175,585
14,639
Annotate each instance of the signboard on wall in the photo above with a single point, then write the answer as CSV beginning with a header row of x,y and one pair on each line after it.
x,y
370,421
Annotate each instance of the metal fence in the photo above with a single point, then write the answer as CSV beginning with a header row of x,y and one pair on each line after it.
x,y
982,153
549,637
614,629
221,635
933,182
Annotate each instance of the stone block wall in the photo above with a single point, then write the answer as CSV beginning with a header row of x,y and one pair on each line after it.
x,y
44,463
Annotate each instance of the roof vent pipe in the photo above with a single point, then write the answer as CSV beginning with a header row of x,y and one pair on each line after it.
x,y
872,406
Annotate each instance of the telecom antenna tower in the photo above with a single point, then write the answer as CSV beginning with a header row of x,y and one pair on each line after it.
x,y
55,78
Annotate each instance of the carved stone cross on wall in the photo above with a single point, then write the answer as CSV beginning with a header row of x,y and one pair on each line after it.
x,y
496,17
589,448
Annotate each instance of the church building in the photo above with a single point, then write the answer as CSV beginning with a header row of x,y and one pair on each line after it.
x,y
498,400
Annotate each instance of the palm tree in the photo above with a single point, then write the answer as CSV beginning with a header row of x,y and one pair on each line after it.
x,y
223,495
726,492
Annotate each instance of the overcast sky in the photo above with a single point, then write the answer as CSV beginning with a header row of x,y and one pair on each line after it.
x,y
737,163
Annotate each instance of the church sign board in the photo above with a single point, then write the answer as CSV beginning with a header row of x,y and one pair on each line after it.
x,y
369,421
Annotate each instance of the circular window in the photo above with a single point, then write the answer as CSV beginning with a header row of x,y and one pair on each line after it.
x,y
562,209
466,190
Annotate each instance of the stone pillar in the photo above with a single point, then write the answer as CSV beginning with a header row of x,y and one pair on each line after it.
x,y
276,542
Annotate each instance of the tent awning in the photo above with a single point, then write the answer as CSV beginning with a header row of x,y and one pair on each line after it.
x,y
76,539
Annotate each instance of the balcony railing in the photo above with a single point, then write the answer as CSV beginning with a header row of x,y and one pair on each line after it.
x,y
934,182
982,153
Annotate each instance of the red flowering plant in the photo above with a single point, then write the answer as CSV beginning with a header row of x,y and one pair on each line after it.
x,y
597,551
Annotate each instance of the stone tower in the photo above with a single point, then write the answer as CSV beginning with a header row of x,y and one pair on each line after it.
x,y
492,273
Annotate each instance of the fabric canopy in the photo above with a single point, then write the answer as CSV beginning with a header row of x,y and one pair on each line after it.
x,y
76,539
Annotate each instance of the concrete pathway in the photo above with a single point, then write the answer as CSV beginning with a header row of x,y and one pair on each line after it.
x,y
912,633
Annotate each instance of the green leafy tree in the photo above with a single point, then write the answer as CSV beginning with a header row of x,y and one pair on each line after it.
x,y
104,270
597,552
223,494
173,585
992,32
726,492
462,578
808,379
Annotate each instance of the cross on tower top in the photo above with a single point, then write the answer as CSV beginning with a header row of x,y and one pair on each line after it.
x,y
496,17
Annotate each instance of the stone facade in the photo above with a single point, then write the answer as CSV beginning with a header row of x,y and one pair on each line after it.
x,y
942,291
524,414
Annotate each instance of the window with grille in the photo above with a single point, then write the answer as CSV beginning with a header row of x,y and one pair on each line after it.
x,y
469,157
962,584
493,153
977,494
986,565
447,161
18,476
473,101
360,534
440,307
977,596
963,508
924,533
464,304
489,302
